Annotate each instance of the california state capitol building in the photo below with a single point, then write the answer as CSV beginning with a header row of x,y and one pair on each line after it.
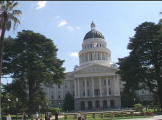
x,y
94,83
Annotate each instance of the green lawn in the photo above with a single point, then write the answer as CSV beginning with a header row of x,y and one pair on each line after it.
x,y
108,118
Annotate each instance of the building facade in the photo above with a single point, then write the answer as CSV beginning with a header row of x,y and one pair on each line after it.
x,y
94,83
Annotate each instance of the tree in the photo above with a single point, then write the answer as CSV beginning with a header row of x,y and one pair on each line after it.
x,y
8,15
145,59
34,62
68,102
128,99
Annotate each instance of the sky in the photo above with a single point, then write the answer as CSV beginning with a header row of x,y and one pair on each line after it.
x,y
67,22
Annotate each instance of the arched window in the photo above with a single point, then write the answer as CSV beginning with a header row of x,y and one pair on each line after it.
x,y
86,57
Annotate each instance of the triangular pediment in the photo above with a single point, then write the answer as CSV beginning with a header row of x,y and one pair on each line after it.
x,y
97,69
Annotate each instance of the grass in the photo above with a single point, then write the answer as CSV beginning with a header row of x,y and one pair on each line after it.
x,y
108,118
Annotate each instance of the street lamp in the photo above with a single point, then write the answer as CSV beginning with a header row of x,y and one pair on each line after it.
x,y
59,104
8,104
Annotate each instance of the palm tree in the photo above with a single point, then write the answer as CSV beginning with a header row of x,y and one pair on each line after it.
x,y
7,16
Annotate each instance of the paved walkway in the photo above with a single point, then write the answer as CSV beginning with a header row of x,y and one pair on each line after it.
x,y
157,117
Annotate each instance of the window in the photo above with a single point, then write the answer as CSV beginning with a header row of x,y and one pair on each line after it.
x,y
58,86
105,91
91,56
97,92
100,44
65,86
87,83
90,45
98,56
83,93
59,96
52,95
104,82
86,57
109,91
85,46
83,83
88,92
108,82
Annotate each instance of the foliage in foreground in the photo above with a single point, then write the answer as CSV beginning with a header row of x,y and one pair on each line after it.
x,y
31,59
142,68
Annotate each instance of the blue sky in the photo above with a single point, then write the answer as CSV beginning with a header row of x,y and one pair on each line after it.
x,y
67,22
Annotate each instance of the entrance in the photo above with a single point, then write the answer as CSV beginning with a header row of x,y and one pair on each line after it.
x,y
112,104
90,105
97,104
104,104
82,105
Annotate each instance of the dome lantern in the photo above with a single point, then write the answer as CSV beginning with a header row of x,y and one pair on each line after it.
x,y
93,26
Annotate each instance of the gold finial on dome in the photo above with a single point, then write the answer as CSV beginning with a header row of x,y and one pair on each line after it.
x,y
93,25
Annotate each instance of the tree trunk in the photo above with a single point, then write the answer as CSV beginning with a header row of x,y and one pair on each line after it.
x,y
1,59
30,106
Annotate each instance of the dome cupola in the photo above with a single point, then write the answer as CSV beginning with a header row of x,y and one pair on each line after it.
x,y
93,33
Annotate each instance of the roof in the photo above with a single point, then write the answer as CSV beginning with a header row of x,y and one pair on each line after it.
x,y
93,33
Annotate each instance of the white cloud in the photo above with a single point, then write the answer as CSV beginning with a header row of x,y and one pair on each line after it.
x,y
78,28
62,23
74,54
57,17
41,4
70,28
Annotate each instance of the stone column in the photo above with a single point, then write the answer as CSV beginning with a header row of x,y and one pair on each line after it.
x,y
100,86
110,57
107,86
93,104
78,88
86,105
114,86
118,87
92,87
75,88
101,104
106,57
101,55
88,56
85,83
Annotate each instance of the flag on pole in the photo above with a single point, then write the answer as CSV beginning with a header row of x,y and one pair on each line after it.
x,y
95,44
